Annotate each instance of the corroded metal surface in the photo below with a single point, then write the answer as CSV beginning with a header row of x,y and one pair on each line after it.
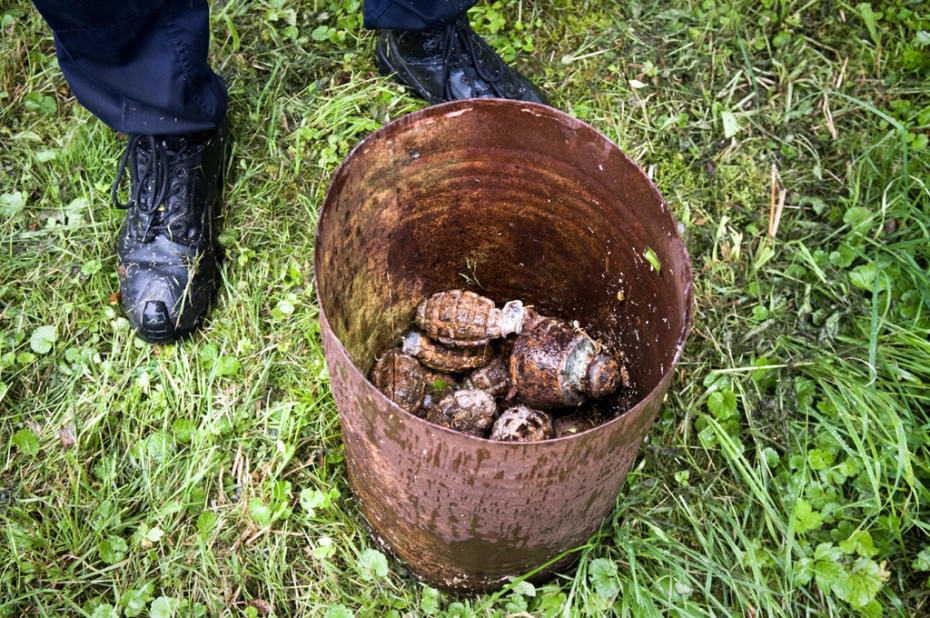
x,y
470,411
401,379
570,424
445,358
522,424
464,318
534,205
493,378
554,366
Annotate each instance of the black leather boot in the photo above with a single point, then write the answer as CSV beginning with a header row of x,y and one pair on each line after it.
x,y
167,255
451,63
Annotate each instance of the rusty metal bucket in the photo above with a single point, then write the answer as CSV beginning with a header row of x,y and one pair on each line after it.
x,y
514,201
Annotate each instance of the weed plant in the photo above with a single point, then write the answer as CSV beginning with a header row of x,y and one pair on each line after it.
x,y
787,474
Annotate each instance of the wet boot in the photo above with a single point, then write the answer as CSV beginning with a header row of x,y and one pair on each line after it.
x,y
167,260
449,64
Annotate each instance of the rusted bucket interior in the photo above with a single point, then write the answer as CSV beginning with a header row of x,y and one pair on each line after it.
x,y
513,201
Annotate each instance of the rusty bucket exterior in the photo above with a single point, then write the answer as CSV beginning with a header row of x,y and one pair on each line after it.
x,y
514,201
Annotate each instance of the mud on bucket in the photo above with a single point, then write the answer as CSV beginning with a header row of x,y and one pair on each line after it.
x,y
513,201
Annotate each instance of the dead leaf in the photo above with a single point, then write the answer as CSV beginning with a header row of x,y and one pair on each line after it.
x,y
262,606
66,435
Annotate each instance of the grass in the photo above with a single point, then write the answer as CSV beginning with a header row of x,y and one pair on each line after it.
x,y
787,474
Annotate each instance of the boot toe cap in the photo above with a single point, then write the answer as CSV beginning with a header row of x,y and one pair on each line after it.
x,y
154,323
164,308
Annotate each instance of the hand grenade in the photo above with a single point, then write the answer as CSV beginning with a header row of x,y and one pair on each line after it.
x,y
401,378
522,424
439,382
469,411
438,386
554,366
493,378
461,318
445,358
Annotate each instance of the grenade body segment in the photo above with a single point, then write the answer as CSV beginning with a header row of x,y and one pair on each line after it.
x,y
461,318
445,358
554,366
401,378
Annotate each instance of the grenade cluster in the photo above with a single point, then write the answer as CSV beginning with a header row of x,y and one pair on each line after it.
x,y
502,373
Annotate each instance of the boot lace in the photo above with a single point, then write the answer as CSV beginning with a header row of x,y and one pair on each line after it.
x,y
163,159
461,30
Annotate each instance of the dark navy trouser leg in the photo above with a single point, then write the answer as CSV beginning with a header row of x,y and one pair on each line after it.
x,y
139,65
413,14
